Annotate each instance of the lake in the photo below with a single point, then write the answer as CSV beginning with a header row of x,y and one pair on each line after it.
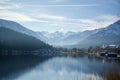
x,y
55,68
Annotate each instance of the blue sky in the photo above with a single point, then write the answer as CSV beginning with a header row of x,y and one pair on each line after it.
x,y
61,15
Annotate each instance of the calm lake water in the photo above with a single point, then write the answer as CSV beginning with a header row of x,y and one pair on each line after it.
x,y
57,68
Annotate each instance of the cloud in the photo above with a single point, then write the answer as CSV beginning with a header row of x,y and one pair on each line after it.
x,y
47,16
84,5
11,11
57,1
71,24
6,4
4,1
63,30
98,22
67,24
62,22
9,15
109,17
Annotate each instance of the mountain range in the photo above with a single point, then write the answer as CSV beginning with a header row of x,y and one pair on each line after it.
x,y
12,40
97,37
14,36
104,36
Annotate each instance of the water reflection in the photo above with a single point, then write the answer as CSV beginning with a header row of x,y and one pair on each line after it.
x,y
13,66
67,68
60,69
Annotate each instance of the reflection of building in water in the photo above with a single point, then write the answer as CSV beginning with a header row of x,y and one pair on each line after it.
x,y
90,57
105,53
76,52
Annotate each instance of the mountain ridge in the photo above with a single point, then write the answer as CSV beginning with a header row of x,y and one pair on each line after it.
x,y
108,35
66,39
10,39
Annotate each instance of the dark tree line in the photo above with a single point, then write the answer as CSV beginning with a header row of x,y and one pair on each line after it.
x,y
12,40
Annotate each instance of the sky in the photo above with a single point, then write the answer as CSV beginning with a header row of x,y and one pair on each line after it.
x,y
61,15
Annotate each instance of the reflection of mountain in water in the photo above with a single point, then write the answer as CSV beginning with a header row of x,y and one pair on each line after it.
x,y
64,68
10,65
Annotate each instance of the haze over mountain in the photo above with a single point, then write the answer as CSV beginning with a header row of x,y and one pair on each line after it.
x,y
105,36
97,37
13,40
108,35
15,26
19,28
51,38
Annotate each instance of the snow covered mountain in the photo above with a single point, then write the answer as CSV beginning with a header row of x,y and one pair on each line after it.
x,y
97,37
108,35
77,37
85,38
57,38
70,38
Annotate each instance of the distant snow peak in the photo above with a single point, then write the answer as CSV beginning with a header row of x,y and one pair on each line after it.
x,y
62,30
66,37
